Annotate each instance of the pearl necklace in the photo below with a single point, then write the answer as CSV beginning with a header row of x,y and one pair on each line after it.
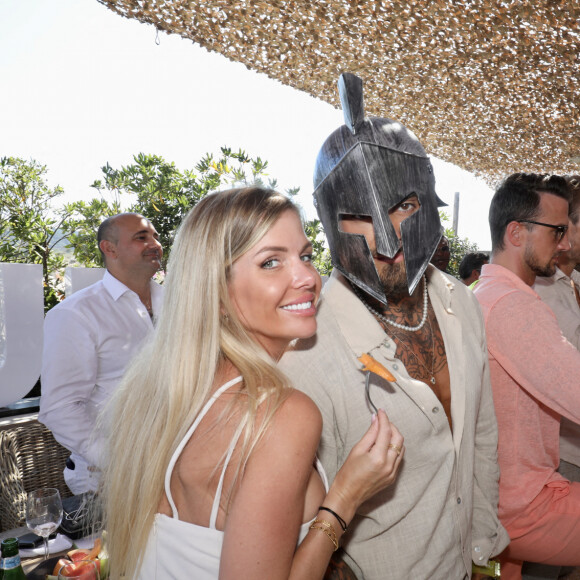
x,y
393,323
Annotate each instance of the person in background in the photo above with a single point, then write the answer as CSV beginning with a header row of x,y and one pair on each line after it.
x,y
420,331
442,255
561,290
470,267
91,336
561,293
534,371
212,465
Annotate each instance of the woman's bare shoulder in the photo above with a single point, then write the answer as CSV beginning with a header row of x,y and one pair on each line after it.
x,y
295,425
300,410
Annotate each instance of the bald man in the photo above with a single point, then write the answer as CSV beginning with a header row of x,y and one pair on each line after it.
x,y
90,337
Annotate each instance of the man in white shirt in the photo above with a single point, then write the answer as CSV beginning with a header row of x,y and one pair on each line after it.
x,y
90,338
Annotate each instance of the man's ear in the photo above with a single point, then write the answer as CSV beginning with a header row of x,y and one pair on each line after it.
x,y
513,233
108,248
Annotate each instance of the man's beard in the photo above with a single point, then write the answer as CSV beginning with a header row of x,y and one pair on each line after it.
x,y
534,265
393,277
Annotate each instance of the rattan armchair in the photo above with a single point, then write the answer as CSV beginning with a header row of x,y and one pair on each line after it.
x,y
30,458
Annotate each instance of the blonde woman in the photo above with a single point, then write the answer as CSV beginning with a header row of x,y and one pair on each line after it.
x,y
213,470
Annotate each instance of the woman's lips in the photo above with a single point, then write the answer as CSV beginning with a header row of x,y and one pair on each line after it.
x,y
305,306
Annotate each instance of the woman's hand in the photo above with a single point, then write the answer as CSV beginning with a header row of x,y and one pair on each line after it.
x,y
371,466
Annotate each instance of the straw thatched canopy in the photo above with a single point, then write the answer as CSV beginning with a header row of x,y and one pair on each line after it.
x,y
490,85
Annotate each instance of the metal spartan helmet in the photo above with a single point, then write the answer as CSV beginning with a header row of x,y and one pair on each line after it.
x,y
366,167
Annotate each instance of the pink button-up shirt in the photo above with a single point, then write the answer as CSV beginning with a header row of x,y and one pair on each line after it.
x,y
535,377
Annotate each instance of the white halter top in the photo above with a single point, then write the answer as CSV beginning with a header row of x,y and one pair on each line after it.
x,y
175,547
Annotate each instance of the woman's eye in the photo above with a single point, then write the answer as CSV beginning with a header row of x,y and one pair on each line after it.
x,y
306,258
272,263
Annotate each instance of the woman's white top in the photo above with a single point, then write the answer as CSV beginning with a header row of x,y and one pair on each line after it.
x,y
177,549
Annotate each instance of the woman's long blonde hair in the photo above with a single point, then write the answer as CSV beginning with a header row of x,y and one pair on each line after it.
x,y
167,385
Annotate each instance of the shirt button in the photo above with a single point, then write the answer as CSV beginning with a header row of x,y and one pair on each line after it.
x,y
458,500
435,409
477,549
396,367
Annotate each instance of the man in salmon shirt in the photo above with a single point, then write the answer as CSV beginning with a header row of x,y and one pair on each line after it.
x,y
534,372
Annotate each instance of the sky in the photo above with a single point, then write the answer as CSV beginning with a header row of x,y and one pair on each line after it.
x,y
81,86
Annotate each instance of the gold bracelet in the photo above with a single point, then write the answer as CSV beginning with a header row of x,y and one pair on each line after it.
x,y
326,524
328,530
328,533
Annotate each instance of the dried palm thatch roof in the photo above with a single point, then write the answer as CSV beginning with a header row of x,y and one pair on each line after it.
x,y
490,85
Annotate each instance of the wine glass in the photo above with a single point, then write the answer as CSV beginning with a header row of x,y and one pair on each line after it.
x,y
82,570
43,513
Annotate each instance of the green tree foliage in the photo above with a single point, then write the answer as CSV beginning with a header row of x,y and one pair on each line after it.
x,y
160,191
321,253
164,194
458,247
30,225
81,228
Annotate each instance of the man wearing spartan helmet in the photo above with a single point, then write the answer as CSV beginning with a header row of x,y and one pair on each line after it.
x,y
375,195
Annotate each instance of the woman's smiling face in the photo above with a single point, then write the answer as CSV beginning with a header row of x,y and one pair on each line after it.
x,y
274,286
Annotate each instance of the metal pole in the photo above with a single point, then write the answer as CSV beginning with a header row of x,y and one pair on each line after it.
x,y
455,212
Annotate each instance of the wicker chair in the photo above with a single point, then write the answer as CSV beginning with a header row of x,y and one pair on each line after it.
x,y
30,458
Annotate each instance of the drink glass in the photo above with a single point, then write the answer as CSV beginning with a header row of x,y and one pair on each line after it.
x,y
43,513
81,570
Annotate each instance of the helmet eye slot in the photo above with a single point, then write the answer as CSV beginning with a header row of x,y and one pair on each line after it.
x,y
406,207
348,221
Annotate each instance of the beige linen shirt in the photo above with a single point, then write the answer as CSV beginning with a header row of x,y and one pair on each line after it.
x,y
441,513
557,292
